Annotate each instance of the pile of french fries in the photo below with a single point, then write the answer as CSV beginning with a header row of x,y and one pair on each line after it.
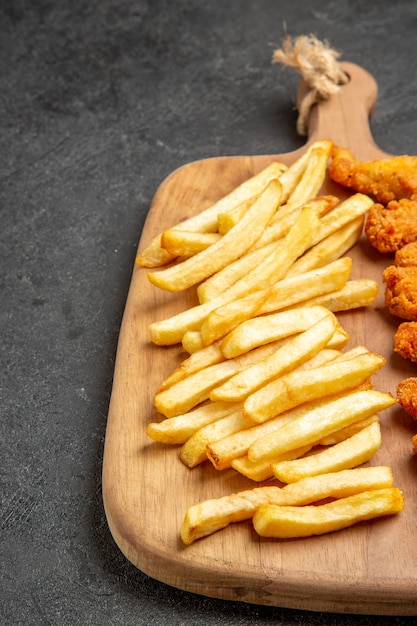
x,y
269,387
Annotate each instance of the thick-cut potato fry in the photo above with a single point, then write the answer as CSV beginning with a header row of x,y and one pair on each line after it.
x,y
345,433
227,220
176,430
351,208
300,289
300,386
354,451
259,471
206,221
329,416
206,356
296,350
285,522
312,177
209,516
260,330
227,316
354,295
187,243
192,341
193,452
229,247
292,176
183,395
222,280
328,249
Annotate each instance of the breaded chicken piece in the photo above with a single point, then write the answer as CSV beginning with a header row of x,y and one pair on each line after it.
x,y
390,228
414,441
407,255
387,179
401,291
405,341
407,395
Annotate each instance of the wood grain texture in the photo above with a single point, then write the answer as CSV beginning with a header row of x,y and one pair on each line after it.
x,y
370,568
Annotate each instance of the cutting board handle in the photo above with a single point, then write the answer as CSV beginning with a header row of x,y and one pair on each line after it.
x,y
345,116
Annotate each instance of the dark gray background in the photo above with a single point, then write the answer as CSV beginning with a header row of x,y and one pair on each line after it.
x,y
99,102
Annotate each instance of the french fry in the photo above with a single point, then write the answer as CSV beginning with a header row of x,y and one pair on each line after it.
x,y
301,386
353,295
312,177
354,206
260,330
259,471
183,395
222,280
227,220
302,288
347,454
227,316
192,341
348,431
177,430
206,356
207,517
228,248
193,452
328,417
285,522
293,175
328,249
181,243
294,351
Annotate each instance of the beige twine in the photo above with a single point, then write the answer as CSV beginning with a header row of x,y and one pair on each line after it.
x,y
317,64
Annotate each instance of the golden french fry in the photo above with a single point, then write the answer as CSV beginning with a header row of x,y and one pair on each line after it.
x,y
207,517
228,248
183,395
297,387
293,175
176,430
329,416
222,280
328,249
187,243
227,316
192,341
348,431
354,451
207,355
154,255
294,351
302,288
353,295
312,177
260,330
286,522
230,218
193,452
259,471
354,206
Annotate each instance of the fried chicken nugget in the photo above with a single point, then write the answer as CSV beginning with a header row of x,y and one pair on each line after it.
x,y
407,255
405,341
401,291
390,228
387,179
407,395
414,441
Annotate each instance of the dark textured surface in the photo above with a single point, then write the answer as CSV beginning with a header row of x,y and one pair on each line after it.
x,y
99,101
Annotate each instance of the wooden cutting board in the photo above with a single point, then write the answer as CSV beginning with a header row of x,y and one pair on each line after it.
x,y
370,568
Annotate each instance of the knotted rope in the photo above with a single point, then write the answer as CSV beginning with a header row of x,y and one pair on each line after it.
x,y
318,65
